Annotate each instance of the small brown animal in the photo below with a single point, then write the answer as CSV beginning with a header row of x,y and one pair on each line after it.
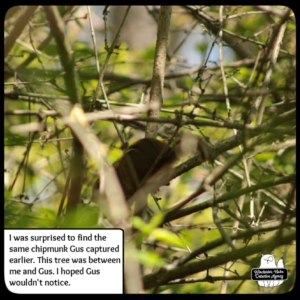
x,y
142,159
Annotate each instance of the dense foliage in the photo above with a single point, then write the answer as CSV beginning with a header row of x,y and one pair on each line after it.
x,y
229,79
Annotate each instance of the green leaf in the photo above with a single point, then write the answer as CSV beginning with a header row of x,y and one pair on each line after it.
x,y
168,237
150,259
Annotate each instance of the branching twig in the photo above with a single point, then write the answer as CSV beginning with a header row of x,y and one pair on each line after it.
x,y
110,51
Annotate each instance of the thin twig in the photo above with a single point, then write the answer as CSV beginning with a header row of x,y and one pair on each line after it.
x,y
26,153
94,39
100,85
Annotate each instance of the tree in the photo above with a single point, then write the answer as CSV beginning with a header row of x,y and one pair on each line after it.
x,y
72,104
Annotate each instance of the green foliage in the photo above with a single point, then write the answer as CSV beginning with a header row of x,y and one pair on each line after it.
x,y
158,234
150,259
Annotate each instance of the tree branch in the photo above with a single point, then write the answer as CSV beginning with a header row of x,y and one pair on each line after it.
x,y
261,185
77,162
172,271
18,28
157,84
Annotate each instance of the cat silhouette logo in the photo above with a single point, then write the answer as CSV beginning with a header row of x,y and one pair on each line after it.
x,y
269,274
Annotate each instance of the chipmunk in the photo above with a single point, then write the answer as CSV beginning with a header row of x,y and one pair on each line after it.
x,y
142,159
144,166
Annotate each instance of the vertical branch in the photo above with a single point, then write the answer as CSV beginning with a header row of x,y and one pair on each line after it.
x,y
64,50
157,84
94,39
220,43
228,106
